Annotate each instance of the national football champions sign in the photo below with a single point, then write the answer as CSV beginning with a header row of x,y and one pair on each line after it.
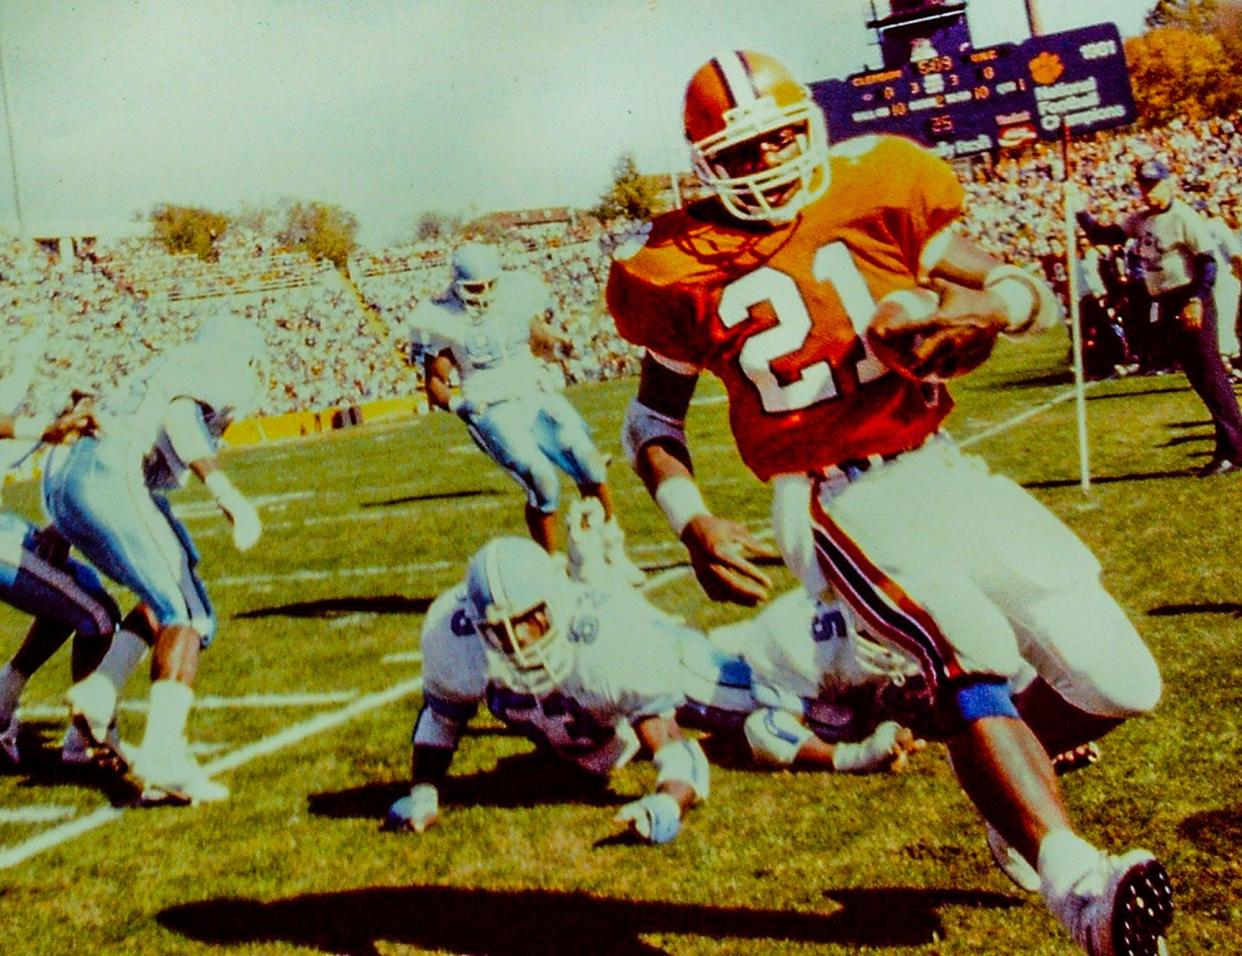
x,y
999,96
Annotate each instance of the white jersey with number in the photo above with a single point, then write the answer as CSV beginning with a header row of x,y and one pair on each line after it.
x,y
492,351
809,658
625,669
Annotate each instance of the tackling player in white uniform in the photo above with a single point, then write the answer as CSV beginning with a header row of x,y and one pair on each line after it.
x,y
105,497
485,326
592,673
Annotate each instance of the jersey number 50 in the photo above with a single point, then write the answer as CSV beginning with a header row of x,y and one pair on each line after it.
x,y
833,265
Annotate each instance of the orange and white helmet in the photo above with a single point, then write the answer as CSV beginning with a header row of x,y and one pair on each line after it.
x,y
741,97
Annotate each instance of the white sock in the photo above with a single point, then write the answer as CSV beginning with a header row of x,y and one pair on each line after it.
x,y
94,697
166,718
123,656
12,683
1064,858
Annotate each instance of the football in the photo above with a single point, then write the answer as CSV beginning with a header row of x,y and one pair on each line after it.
x,y
904,337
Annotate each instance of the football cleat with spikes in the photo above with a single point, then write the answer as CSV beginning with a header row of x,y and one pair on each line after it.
x,y
1011,862
1077,758
175,778
1123,907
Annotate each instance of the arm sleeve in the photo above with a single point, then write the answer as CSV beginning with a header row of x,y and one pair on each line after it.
x,y
1205,274
187,430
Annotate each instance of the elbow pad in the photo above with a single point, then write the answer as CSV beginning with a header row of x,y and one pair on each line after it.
x,y
434,729
644,425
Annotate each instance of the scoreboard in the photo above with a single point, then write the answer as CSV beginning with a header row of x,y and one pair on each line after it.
x,y
999,96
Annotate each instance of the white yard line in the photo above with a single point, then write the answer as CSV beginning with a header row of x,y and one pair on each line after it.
x,y
49,839
1018,419
209,702
47,813
307,574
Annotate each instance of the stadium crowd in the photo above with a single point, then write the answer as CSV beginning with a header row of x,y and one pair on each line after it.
x,y
107,306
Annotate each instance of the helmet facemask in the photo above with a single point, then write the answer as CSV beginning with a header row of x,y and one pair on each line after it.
x,y
476,271
777,193
518,598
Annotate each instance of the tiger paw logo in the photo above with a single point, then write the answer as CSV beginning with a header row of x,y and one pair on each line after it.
x,y
1046,68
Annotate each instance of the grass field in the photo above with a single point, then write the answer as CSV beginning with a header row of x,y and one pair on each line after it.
x,y
307,699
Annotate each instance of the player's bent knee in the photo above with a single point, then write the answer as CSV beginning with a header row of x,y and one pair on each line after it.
x,y
775,737
545,491
980,698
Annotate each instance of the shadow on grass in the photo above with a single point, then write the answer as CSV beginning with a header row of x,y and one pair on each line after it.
x,y
39,745
1185,440
339,606
522,780
1050,483
553,922
1214,831
1059,377
433,496
1173,610
1106,396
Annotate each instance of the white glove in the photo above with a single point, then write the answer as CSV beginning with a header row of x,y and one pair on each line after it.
x,y
656,818
418,811
246,524
875,753
242,514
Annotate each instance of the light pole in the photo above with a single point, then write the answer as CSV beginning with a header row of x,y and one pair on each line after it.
x,y
8,135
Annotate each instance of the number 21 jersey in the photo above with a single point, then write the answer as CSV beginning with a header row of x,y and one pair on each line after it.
x,y
778,313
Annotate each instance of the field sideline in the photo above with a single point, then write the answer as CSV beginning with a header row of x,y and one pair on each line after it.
x,y
310,691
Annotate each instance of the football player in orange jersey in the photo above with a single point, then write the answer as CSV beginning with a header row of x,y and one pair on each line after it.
x,y
772,284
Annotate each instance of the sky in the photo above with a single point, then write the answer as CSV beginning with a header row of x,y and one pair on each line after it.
x,y
388,108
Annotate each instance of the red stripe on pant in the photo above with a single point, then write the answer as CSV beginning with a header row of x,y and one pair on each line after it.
x,y
883,604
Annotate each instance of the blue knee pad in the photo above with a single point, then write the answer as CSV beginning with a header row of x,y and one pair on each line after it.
x,y
984,697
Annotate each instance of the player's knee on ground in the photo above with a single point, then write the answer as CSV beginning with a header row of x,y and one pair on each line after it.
x,y
1098,661
775,737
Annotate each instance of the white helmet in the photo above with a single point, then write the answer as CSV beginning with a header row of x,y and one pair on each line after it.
x,y
476,270
237,345
519,599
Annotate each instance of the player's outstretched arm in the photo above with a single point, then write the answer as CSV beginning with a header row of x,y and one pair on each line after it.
x,y
682,780
419,810
184,425
654,439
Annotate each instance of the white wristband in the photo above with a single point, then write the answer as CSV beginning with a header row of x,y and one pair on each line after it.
x,y
1017,291
454,403
680,500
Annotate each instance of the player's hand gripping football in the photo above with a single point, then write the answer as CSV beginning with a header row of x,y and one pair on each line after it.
x,y
935,335
720,552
